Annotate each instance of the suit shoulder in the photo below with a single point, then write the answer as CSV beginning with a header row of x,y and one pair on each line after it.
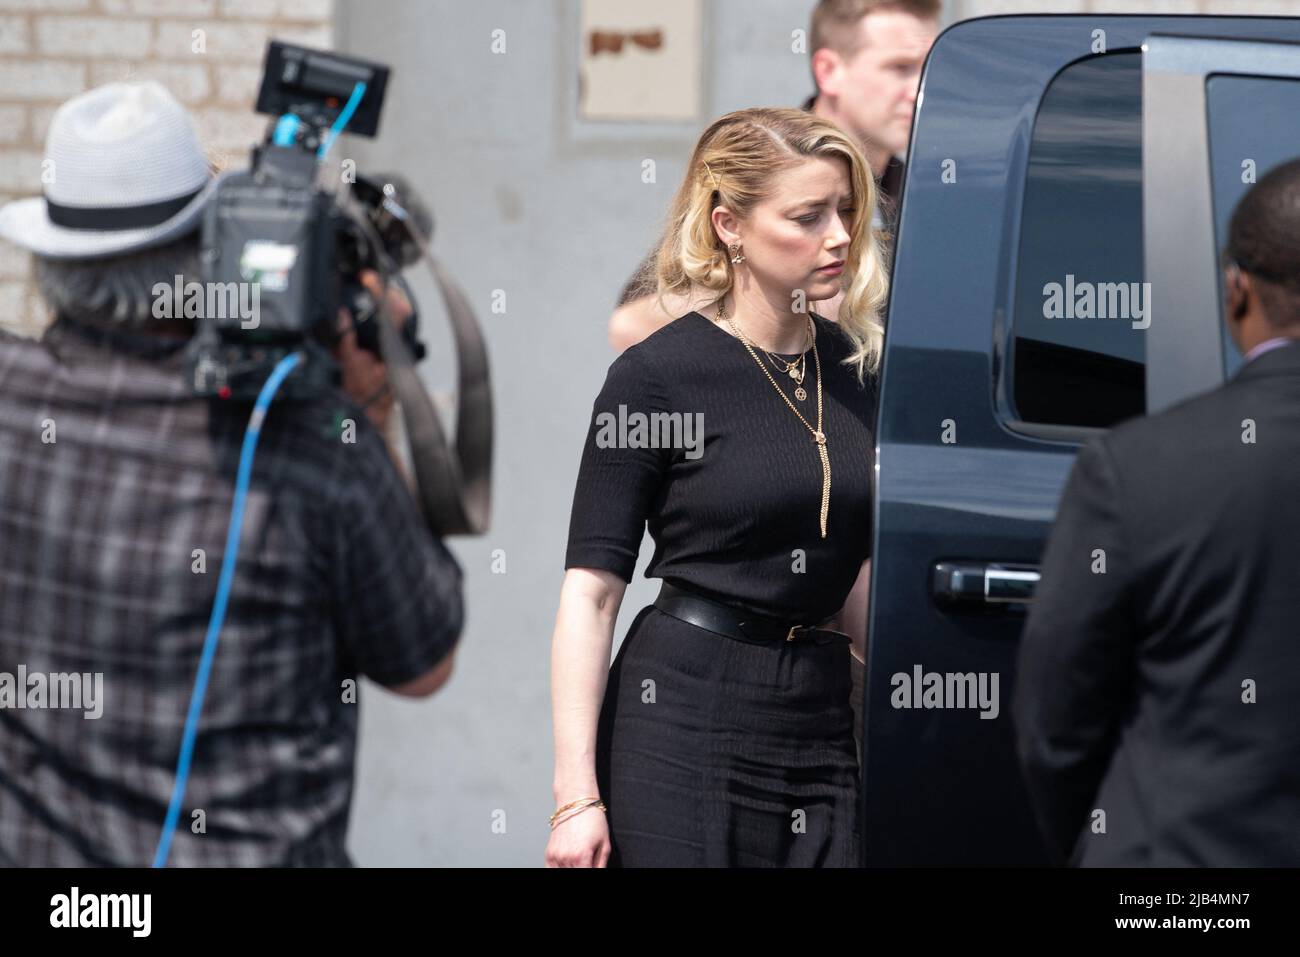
x,y
1185,420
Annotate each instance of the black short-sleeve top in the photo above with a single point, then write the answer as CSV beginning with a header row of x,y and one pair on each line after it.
x,y
690,437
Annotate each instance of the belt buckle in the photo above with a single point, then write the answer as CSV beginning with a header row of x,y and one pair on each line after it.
x,y
793,628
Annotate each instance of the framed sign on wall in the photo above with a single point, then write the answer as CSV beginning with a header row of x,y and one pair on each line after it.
x,y
640,61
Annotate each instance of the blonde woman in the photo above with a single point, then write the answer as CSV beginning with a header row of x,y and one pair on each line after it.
x,y
723,734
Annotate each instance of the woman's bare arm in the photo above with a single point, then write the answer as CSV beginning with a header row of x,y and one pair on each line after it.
x,y
852,618
580,659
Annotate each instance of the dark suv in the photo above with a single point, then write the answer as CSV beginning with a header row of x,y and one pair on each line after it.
x,y
1056,271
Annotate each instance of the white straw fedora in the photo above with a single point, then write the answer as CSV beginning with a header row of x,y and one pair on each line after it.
x,y
125,172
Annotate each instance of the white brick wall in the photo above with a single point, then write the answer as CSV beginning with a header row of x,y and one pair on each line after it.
x,y
31,79
13,125
21,171
169,8
13,34
92,36
51,50
188,82
226,41
38,6
39,123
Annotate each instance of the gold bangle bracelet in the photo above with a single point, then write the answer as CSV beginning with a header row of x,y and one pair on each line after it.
x,y
589,802
576,812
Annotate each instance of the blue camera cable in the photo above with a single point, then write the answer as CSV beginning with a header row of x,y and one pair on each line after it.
x,y
251,433
342,121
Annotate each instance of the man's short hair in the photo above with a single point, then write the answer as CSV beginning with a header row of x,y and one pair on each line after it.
x,y
835,22
1262,241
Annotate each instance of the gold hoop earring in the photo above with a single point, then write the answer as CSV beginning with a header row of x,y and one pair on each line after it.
x,y
737,256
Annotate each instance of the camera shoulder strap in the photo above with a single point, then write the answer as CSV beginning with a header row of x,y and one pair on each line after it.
x,y
453,485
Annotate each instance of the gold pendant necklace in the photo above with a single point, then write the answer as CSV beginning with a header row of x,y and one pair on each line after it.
x,y
819,437
794,368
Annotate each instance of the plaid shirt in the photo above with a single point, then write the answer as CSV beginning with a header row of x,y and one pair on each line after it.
x,y
337,576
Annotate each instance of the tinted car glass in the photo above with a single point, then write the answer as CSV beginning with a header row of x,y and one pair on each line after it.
x,y
1252,124
1078,352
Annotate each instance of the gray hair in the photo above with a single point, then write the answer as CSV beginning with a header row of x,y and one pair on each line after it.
x,y
119,290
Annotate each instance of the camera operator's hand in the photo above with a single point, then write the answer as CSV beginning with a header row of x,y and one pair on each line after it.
x,y
365,377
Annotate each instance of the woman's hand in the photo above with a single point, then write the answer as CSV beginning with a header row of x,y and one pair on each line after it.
x,y
584,633
579,840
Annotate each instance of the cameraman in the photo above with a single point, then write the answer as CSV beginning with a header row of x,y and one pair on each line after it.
x,y
116,487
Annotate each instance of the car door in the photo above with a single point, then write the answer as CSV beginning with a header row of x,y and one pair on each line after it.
x,y
1221,114
1043,290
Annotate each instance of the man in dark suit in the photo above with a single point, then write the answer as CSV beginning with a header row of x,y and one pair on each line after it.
x,y
1157,704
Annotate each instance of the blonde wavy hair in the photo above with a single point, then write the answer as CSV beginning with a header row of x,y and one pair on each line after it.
x,y
733,164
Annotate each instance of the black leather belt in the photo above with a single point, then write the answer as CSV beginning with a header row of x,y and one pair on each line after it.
x,y
735,623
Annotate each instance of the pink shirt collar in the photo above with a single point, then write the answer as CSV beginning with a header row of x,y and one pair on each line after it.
x,y
1266,346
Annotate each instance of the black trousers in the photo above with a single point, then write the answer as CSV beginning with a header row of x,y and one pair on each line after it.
x,y
715,752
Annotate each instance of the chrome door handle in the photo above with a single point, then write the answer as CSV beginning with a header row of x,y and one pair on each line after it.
x,y
994,583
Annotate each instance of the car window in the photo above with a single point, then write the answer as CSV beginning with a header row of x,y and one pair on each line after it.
x,y
1252,126
1078,348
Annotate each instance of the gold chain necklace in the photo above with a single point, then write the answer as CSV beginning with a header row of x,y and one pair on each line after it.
x,y
795,369
818,435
